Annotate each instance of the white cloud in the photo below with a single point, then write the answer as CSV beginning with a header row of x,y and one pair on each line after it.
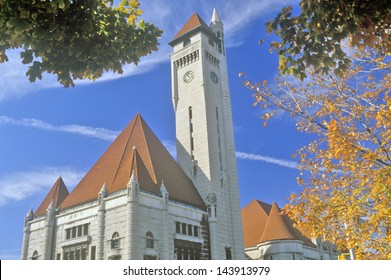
x,y
170,16
238,15
280,162
95,132
88,131
17,186
170,146
13,79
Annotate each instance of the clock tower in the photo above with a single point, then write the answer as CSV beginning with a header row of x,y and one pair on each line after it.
x,y
204,130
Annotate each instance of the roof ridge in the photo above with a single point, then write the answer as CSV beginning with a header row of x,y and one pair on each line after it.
x,y
151,161
153,176
123,152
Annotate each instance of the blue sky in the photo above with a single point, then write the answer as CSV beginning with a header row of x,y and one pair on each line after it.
x,y
47,131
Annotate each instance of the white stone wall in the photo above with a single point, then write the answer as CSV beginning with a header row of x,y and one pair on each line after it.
x,y
214,149
151,211
283,250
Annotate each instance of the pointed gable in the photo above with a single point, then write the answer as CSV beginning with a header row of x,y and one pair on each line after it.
x,y
263,222
194,24
254,216
136,149
57,194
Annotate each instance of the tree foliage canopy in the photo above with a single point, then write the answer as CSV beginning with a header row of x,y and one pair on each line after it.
x,y
315,36
75,39
346,170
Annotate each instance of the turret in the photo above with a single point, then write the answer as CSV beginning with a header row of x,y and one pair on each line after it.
x,y
132,217
26,234
101,221
218,29
49,227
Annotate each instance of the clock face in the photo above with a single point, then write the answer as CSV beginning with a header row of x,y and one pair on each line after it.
x,y
214,77
188,77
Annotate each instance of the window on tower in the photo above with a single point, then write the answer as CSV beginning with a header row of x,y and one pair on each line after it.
x,y
191,131
149,243
186,42
228,254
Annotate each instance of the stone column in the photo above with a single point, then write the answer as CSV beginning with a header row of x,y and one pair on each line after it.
x,y
164,243
100,246
26,234
48,235
132,219
211,198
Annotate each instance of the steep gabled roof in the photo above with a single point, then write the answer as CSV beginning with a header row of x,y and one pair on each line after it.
x,y
253,221
263,222
136,149
57,194
194,24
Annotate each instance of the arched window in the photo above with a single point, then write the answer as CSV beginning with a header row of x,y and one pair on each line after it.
x,y
35,255
115,241
149,243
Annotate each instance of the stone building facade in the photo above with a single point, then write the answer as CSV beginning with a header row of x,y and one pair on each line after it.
x,y
137,202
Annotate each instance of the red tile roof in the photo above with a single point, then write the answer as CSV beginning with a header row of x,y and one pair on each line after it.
x,y
136,149
264,222
57,194
194,21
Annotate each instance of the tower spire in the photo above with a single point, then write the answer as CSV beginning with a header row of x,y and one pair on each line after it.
x,y
215,16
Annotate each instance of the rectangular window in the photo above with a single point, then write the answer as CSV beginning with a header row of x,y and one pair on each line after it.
x,y
228,254
72,255
93,251
179,253
77,254
85,229
190,230
178,227
192,144
84,253
196,231
68,233
183,228
79,231
73,232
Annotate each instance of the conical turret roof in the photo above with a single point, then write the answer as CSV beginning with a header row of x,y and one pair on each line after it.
x,y
263,222
57,194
